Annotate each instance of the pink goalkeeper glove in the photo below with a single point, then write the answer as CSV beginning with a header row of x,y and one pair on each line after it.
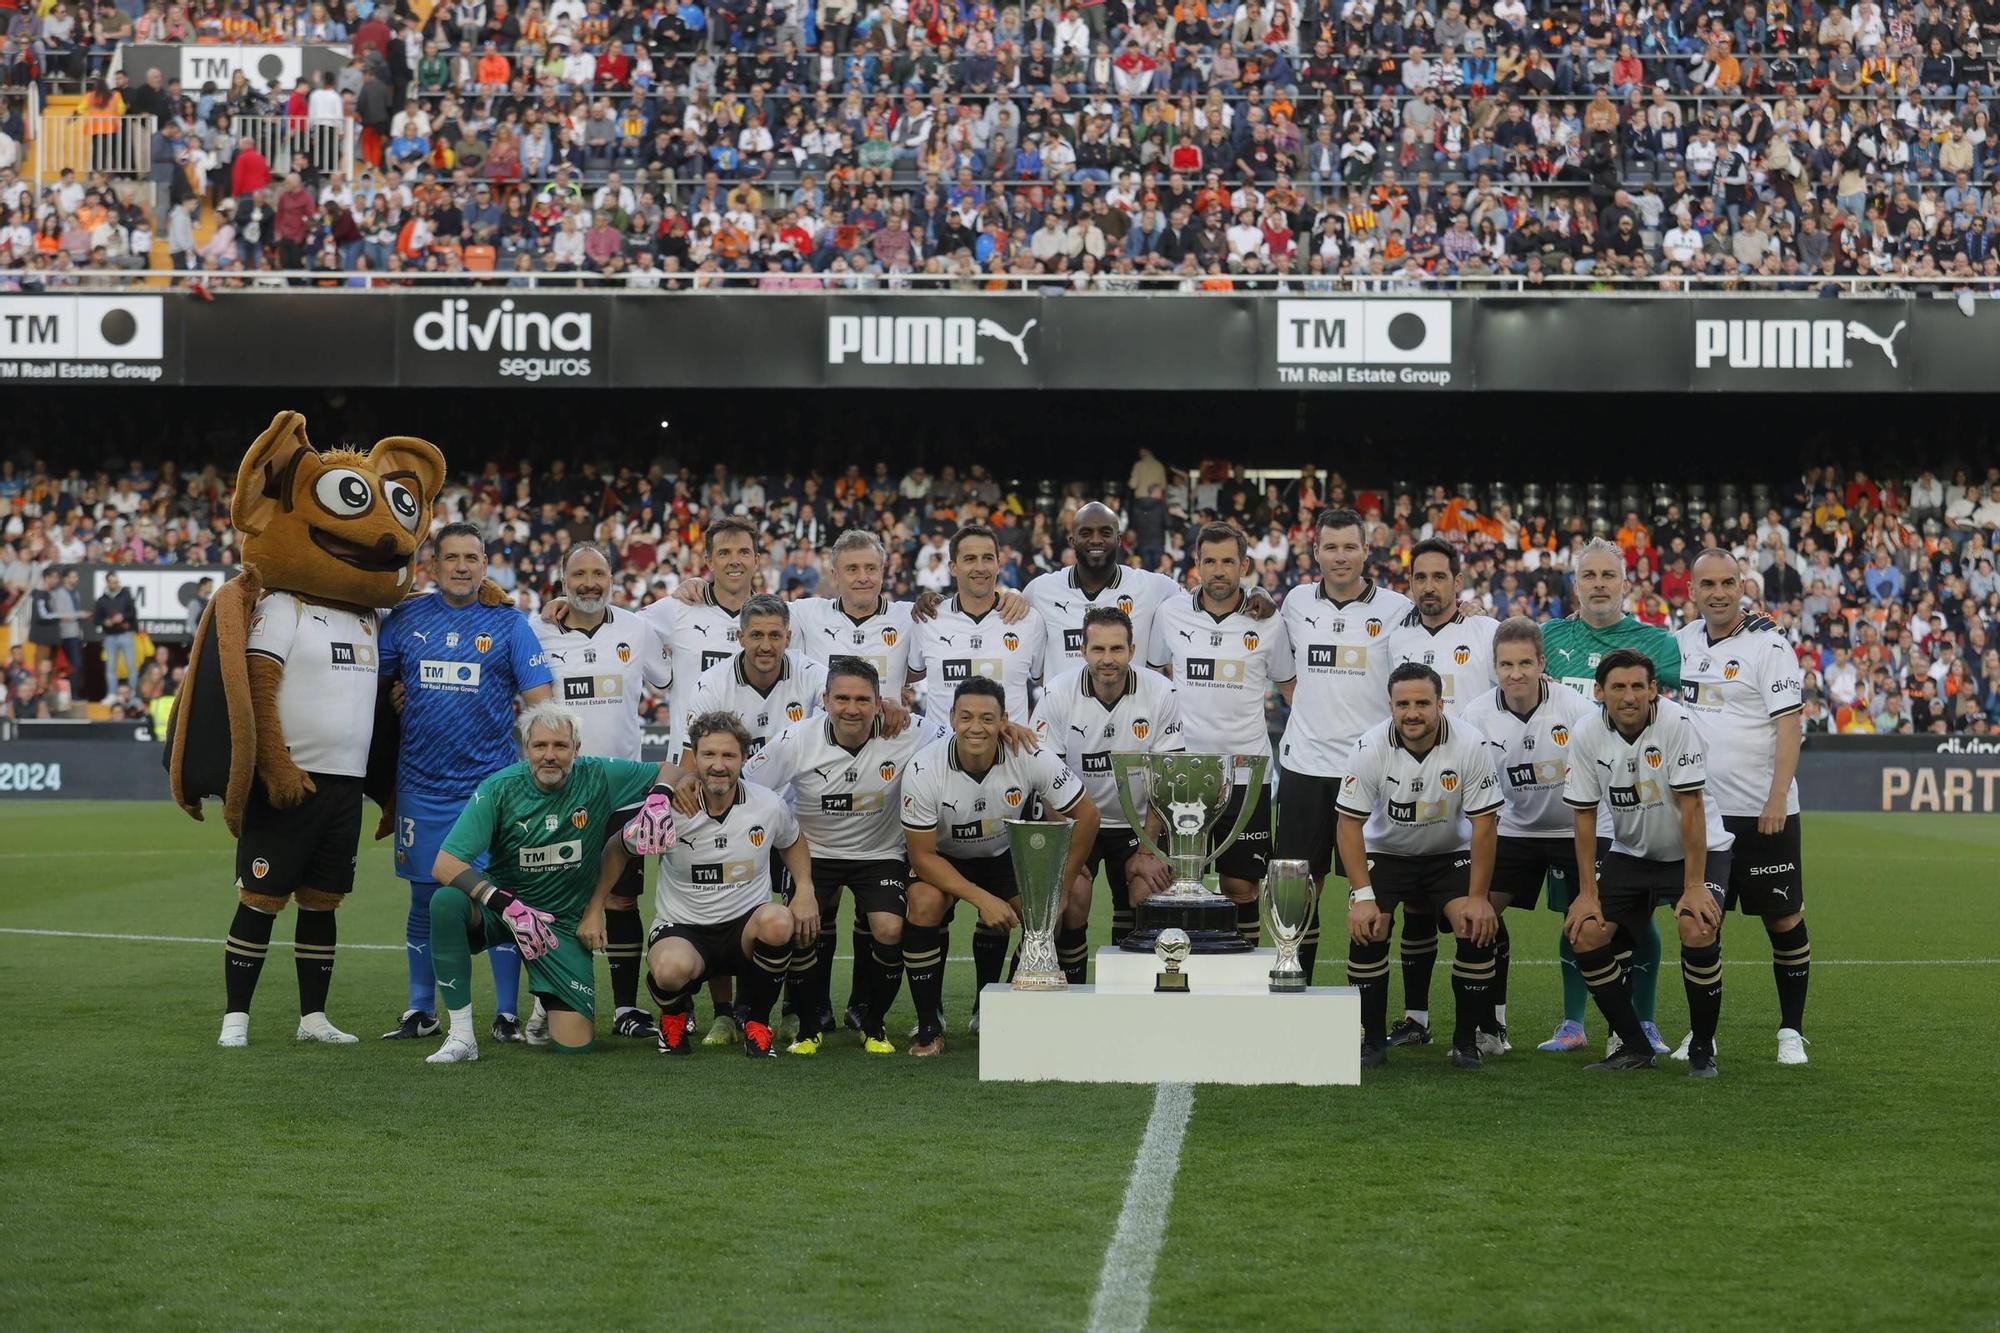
x,y
530,926
651,831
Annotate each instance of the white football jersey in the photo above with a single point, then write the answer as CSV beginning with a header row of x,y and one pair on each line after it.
x,y
1340,654
1061,604
970,814
1222,668
1736,689
800,687
847,801
1637,781
700,635
326,702
822,630
1144,719
718,869
1460,651
601,673
953,646
1419,807
1531,755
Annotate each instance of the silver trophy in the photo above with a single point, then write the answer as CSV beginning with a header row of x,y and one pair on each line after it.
x,y
1041,853
1190,792
1290,895
1171,946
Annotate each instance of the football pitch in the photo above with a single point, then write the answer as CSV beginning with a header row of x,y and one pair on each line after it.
x,y
152,1179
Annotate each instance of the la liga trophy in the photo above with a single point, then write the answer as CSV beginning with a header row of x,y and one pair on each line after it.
x,y
1191,792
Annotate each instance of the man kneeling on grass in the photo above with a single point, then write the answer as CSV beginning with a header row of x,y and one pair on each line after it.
x,y
544,823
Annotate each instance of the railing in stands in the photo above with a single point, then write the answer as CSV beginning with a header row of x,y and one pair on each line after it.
x,y
328,145
83,142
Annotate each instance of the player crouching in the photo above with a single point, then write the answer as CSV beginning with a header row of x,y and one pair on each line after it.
x,y
714,912
542,823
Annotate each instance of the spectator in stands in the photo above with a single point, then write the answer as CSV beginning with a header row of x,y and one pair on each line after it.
x,y
116,617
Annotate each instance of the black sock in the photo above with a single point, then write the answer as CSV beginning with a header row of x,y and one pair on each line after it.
x,y
243,956
1309,943
1121,907
312,954
1472,977
1503,950
1611,987
861,986
989,957
674,1001
923,963
887,976
764,978
622,936
802,997
822,972
1368,971
1701,975
1419,948
1791,964
1248,924
1073,952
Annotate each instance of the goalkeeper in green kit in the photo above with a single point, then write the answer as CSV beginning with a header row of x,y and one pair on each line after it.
x,y
1573,647
543,823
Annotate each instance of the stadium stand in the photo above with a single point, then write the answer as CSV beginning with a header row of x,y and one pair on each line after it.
x,y
1887,583
1198,145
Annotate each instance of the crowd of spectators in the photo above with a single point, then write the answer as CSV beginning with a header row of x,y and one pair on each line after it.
x,y
1888,586
1203,144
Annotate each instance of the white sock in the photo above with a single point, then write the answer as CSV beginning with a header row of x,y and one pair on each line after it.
x,y
461,1025
1420,1015
236,1025
1500,1014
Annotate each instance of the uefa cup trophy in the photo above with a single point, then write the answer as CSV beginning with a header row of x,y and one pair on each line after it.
x,y
1290,894
1191,792
1041,851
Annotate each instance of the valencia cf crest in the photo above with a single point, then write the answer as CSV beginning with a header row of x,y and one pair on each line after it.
x,y
1653,756
756,835
889,635
1560,735
795,711
482,642
260,868
579,816
1461,654
1730,668
1140,726
624,652
887,771
1374,627
1448,779
1011,640
1125,605
1250,639
1014,797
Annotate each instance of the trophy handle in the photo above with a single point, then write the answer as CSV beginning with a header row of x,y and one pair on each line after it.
x,y
1123,763
1258,769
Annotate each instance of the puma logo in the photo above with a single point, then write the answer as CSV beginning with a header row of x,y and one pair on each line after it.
x,y
1885,344
420,637
1018,341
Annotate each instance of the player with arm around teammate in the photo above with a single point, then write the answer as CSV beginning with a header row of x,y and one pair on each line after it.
x,y
1643,759
1418,814
1529,722
539,827
957,798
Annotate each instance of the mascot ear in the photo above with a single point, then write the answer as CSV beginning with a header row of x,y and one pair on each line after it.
x,y
419,460
264,480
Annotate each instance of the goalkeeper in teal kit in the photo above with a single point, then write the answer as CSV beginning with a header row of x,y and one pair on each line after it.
x,y
1573,647
542,824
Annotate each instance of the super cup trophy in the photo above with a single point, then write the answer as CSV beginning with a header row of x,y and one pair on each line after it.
x,y
1191,792
1041,852
1290,895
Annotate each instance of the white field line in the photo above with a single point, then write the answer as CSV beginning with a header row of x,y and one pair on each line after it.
x,y
1125,1282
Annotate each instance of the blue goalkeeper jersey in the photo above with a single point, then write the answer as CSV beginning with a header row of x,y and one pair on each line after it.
x,y
461,668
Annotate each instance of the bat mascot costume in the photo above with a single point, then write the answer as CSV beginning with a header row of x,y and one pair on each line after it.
x,y
280,715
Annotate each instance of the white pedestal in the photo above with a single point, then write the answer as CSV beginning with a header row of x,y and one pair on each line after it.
x,y
1219,1035
1120,971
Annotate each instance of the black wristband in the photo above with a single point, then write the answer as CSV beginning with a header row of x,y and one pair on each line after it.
x,y
660,789
498,898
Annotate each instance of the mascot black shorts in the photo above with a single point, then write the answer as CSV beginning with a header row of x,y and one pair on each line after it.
x,y
310,846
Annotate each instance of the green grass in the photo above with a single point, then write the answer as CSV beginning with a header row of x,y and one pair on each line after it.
x,y
153,1179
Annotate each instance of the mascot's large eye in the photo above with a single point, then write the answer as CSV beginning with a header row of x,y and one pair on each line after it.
x,y
402,503
344,492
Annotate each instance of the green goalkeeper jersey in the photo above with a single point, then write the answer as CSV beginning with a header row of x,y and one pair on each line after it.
x,y
545,846
1574,647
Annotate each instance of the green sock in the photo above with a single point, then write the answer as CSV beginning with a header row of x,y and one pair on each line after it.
x,y
451,949
1576,994
1646,973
